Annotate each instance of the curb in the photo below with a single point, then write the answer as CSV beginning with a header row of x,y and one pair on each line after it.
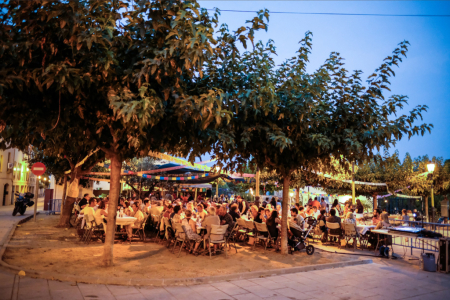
x,y
169,281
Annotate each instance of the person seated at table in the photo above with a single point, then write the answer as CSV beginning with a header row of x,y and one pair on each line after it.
x,y
267,212
157,208
201,212
384,222
121,203
84,201
137,224
100,213
309,211
168,211
376,216
301,212
337,207
405,217
89,210
176,215
350,218
260,216
226,219
323,228
346,209
272,223
147,207
234,212
279,209
253,211
190,206
334,219
296,218
190,229
210,219
316,212
128,209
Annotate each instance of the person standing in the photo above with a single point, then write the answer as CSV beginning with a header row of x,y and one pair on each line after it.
x,y
242,205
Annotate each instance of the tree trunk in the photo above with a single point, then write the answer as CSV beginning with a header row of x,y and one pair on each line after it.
x,y
284,215
297,196
67,207
375,201
114,192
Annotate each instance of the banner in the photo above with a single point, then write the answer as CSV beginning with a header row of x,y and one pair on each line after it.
x,y
174,178
179,161
319,195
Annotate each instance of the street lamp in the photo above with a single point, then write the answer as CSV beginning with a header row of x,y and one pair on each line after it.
x,y
431,166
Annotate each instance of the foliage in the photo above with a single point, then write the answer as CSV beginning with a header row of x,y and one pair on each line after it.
x,y
286,119
75,74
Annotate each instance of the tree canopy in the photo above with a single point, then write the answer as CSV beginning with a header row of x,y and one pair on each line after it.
x,y
286,119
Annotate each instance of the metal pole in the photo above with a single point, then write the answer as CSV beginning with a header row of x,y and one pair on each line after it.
x,y
37,197
257,183
432,202
353,182
195,195
217,188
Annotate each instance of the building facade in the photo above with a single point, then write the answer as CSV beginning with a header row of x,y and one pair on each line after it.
x,y
15,175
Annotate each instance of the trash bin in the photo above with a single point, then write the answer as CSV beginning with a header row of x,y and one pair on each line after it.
x,y
428,262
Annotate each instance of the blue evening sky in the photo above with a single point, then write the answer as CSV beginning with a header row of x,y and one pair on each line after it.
x,y
364,41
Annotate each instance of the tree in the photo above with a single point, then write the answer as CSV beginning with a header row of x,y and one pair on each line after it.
x,y
286,119
77,163
102,74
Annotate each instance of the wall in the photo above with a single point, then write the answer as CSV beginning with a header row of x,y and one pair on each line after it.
x,y
17,179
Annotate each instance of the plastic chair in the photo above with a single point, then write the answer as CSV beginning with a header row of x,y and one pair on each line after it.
x,y
233,235
250,226
350,233
334,226
262,228
219,230
180,236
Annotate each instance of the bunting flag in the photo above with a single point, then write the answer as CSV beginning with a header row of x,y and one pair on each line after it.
x,y
407,196
320,195
174,178
192,190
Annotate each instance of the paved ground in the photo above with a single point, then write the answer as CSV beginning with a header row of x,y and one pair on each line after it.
x,y
375,281
384,279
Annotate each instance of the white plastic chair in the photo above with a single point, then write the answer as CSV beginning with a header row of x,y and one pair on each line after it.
x,y
219,230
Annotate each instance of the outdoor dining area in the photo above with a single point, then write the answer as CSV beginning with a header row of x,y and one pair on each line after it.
x,y
212,227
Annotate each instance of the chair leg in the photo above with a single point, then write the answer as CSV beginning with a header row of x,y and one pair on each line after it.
x,y
209,248
174,245
179,252
226,250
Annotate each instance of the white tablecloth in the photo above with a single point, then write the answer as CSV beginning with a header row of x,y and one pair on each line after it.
x,y
125,221
362,229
